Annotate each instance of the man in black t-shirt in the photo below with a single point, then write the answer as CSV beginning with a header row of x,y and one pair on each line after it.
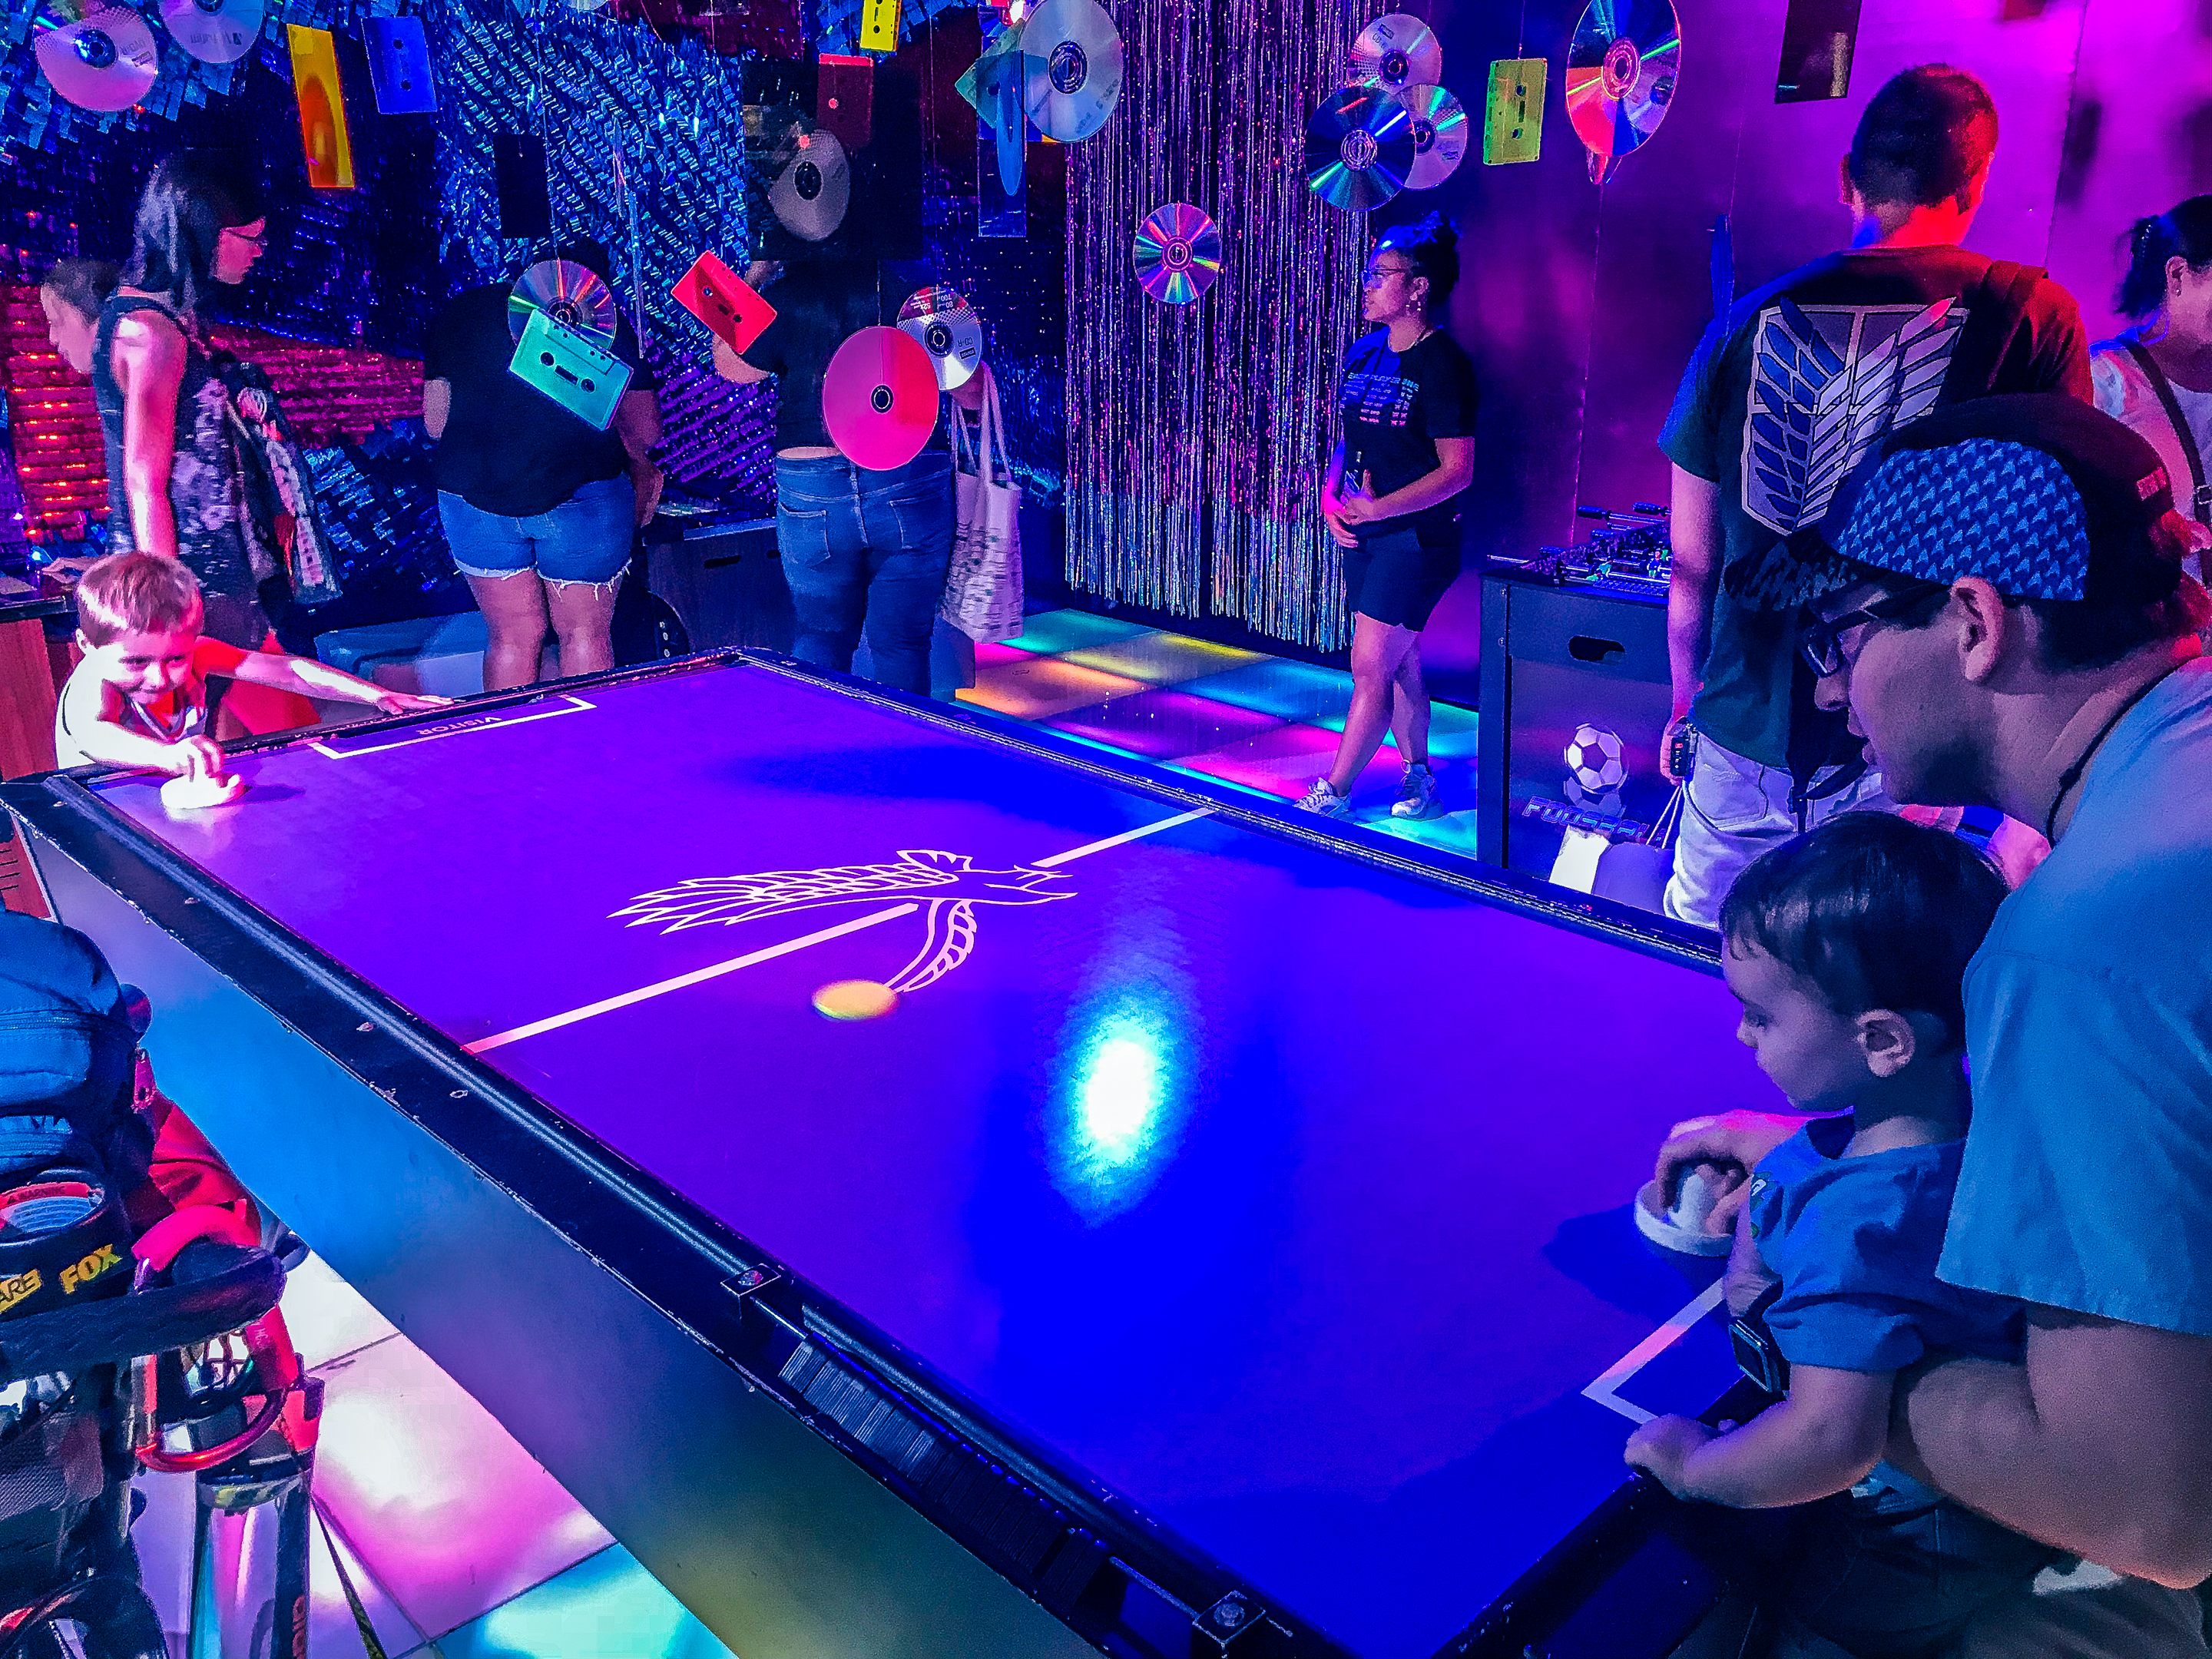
x,y
1784,408
539,508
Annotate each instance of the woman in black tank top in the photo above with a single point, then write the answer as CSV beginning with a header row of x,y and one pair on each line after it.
x,y
174,483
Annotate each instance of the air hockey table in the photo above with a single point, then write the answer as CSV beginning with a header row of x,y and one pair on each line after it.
x,y
1223,1248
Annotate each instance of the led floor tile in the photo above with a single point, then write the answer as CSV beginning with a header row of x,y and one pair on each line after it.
x,y
449,1511
1286,760
1162,658
1451,729
1163,724
1049,631
1040,687
1453,832
328,1318
607,1608
1295,690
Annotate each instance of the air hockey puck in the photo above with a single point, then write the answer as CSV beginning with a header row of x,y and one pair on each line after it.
x,y
1682,1228
854,999
196,795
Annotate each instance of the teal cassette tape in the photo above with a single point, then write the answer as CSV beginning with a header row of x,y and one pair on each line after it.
x,y
569,369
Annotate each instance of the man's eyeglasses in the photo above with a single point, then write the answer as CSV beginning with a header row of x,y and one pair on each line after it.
x,y
256,238
1822,641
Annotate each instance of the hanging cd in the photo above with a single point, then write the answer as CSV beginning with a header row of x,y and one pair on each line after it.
x,y
1178,253
105,60
1439,135
1396,52
1621,74
571,295
950,331
1359,148
809,196
214,31
879,399
1070,68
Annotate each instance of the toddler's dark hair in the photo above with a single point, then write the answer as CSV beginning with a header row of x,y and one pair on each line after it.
x,y
1923,136
1873,911
1431,247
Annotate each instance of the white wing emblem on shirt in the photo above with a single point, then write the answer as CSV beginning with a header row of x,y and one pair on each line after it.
x,y
945,886
1828,384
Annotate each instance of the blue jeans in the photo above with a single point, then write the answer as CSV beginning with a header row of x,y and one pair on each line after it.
x,y
864,548
584,539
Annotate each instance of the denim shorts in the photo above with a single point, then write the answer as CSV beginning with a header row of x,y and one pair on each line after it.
x,y
584,539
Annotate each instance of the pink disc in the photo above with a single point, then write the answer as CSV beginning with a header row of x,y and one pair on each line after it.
x,y
879,399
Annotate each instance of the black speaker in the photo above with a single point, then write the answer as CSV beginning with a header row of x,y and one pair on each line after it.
x,y
1574,702
518,168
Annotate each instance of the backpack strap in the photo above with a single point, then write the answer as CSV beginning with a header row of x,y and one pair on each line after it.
x,y
2200,502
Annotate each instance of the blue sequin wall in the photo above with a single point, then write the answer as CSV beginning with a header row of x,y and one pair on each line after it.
x,y
629,117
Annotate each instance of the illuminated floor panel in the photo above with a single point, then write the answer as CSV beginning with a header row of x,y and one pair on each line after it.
x,y
451,1515
1298,707
1039,687
1164,725
1164,659
606,1607
1286,760
1294,690
1051,631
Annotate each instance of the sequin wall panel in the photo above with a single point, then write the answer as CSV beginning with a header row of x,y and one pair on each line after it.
x,y
644,150
1197,435
349,266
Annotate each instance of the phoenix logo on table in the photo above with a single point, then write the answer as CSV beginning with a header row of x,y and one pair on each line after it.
x,y
948,886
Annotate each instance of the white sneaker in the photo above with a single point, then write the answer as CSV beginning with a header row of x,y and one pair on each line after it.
x,y
1325,801
1417,794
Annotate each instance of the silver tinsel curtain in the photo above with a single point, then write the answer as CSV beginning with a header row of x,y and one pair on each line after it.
x,y
1197,435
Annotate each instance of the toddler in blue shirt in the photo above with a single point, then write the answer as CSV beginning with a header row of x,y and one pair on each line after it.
x,y
1848,950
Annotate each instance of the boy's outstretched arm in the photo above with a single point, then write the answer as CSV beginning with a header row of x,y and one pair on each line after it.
x,y
311,678
1823,1439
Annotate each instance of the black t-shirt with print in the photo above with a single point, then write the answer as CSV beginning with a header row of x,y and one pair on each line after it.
x,y
1396,404
1786,406
508,448
818,307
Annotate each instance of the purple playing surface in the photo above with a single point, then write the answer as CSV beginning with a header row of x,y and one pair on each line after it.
x,y
1285,1199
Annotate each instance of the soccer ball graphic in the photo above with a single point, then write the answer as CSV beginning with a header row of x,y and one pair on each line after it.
x,y
1594,769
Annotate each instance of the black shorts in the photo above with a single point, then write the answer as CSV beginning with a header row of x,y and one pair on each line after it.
x,y
1398,577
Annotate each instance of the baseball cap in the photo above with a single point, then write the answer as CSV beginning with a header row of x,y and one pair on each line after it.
x,y
2040,494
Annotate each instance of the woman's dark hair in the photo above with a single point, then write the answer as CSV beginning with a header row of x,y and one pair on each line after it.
x,y
1431,247
187,205
1923,136
83,285
1872,912
2183,230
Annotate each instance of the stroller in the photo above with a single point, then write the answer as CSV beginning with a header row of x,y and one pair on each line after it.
x,y
138,1329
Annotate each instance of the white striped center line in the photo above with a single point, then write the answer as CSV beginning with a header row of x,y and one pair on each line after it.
x,y
875,918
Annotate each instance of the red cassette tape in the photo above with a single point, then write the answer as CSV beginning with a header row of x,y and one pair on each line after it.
x,y
723,302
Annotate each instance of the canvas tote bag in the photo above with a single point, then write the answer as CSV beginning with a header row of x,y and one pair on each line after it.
x,y
983,584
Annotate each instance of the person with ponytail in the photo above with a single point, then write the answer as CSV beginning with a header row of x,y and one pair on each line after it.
x,y
2157,376
175,484
1392,502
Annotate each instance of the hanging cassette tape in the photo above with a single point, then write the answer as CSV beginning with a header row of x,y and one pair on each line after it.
x,y
568,368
